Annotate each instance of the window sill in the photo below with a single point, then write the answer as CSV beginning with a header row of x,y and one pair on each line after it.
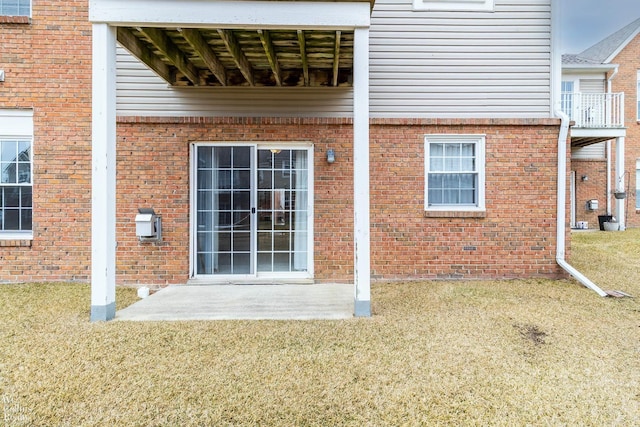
x,y
15,243
6,19
455,214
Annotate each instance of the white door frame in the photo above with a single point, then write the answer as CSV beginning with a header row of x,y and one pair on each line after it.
x,y
572,199
256,276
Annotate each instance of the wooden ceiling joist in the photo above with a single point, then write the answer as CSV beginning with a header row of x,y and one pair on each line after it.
x,y
267,44
129,41
203,50
303,56
239,57
336,58
164,44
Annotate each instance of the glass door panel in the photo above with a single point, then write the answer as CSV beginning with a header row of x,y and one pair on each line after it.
x,y
282,210
224,195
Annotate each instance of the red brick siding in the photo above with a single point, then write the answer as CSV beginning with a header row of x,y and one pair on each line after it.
x,y
626,81
43,73
516,238
594,188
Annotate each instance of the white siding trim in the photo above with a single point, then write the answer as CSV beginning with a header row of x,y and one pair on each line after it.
x,y
231,14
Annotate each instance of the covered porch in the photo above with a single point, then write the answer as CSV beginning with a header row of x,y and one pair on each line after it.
x,y
596,118
204,43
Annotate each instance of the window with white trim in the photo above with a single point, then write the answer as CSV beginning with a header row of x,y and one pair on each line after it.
x,y
15,7
454,166
16,177
637,184
457,5
638,97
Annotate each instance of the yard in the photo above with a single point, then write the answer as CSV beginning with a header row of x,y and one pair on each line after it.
x,y
522,352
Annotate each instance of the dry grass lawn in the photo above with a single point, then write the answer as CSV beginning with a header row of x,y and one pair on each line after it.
x,y
522,352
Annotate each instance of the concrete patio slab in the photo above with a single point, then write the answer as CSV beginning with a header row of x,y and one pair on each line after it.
x,y
244,302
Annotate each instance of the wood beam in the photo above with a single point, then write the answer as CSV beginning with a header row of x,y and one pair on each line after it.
x,y
238,55
130,42
336,58
303,56
204,51
163,43
265,38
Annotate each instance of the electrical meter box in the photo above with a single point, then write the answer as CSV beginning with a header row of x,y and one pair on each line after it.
x,y
147,224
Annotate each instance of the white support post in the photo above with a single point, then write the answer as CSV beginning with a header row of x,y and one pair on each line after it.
x,y
103,178
362,256
620,182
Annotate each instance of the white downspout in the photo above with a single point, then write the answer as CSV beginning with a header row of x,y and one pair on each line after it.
x,y
609,177
555,109
561,212
608,145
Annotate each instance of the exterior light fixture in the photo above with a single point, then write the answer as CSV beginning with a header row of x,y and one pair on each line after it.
x,y
331,155
584,178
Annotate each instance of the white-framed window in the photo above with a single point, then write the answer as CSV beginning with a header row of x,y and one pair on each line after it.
x,y
638,97
638,184
457,5
455,172
16,174
15,7
567,94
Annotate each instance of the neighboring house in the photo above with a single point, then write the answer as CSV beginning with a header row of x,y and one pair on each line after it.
x,y
279,142
600,92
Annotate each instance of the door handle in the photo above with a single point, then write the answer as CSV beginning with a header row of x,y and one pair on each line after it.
x,y
253,210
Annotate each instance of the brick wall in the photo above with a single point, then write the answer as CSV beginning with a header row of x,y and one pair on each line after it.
x,y
595,187
626,81
41,72
516,237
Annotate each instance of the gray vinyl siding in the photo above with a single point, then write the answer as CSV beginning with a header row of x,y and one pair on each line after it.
x,y
592,86
422,65
590,152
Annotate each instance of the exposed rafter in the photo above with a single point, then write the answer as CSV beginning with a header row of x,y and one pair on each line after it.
x,y
263,57
164,44
238,56
129,41
203,50
336,58
303,56
265,38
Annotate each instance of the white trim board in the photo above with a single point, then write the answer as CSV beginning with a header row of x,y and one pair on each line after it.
x,y
231,14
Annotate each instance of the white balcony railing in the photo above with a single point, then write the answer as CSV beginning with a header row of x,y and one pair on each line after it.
x,y
594,110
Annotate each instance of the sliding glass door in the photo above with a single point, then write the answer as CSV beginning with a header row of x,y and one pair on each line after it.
x,y
252,211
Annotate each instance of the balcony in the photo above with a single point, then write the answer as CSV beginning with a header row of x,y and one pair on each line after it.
x,y
597,116
594,110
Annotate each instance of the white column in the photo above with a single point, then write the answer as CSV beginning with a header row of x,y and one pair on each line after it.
x,y
620,182
103,178
362,261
